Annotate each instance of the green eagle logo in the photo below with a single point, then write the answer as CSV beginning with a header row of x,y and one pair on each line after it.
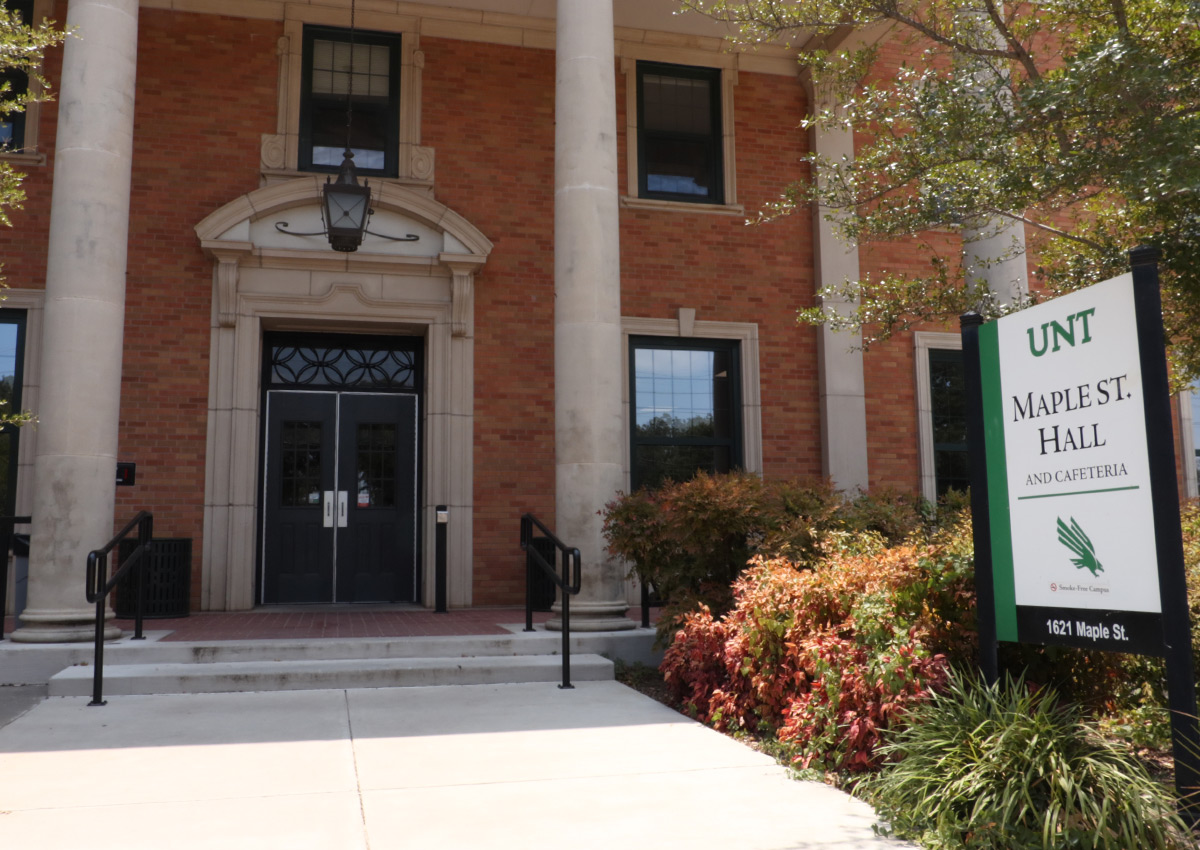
x,y
1074,538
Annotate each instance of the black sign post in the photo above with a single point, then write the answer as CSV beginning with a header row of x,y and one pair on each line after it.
x,y
1172,578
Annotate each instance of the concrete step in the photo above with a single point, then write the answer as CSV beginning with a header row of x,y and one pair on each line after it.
x,y
22,664
320,674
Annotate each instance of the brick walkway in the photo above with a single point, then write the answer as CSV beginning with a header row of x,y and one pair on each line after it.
x,y
351,622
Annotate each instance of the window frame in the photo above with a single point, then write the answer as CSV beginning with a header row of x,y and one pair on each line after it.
x,y
713,139
723,65
19,318
27,121
391,151
734,442
924,342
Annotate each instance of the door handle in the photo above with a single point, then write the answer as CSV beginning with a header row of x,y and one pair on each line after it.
x,y
342,502
327,510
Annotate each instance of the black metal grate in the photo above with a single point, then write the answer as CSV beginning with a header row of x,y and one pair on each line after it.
x,y
168,580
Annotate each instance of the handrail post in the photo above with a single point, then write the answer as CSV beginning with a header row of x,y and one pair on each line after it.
x,y
99,585
566,622
145,535
526,542
98,568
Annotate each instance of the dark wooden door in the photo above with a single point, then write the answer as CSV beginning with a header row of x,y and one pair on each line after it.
x,y
376,540
340,498
300,454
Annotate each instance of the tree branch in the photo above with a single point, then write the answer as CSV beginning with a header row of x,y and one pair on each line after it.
x,y
1062,234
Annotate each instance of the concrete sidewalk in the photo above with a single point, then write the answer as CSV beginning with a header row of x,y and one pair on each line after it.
x,y
481,766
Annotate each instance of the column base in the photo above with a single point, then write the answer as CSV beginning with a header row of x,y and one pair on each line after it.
x,y
593,617
60,627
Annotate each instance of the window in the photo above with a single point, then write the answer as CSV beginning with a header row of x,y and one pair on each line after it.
x,y
12,125
369,72
685,397
949,420
679,143
943,415
12,348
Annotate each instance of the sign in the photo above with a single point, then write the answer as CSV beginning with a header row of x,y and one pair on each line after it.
x,y
126,474
1074,557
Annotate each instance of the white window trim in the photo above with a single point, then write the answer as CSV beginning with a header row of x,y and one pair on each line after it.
x,y
729,78
1187,442
924,341
686,326
281,150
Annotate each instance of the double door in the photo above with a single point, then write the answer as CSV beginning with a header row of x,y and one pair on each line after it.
x,y
340,498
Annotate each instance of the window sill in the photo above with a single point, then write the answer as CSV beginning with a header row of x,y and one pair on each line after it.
x,y
24,158
630,202
279,175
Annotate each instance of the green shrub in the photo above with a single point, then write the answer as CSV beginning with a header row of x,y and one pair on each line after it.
x,y
693,539
1009,767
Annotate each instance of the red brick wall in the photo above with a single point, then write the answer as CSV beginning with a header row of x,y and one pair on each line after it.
x,y
489,111
206,93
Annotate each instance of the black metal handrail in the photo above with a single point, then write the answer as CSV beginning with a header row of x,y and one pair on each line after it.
x,y
99,585
569,587
6,533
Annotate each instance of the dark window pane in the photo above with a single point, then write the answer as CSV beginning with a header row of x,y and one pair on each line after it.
x,y
368,72
949,419
300,448
376,465
368,135
951,469
677,104
679,132
12,343
677,166
685,411
657,464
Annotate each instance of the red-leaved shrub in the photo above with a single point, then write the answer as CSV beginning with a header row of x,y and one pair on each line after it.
x,y
831,656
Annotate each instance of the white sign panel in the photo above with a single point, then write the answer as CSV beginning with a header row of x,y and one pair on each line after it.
x,y
1069,478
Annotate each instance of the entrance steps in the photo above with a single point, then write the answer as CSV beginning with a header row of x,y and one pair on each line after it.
x,y
161,667
237,676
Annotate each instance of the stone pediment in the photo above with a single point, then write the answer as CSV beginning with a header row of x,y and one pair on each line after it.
x,y
252,219
249,231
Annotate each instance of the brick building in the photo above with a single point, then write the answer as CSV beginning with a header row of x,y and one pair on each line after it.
x,y
583,309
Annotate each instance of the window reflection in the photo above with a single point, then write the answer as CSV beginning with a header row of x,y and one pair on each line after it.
x,y
12,342
684,420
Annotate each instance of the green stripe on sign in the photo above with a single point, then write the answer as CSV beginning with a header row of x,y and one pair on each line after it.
x,y
1003,583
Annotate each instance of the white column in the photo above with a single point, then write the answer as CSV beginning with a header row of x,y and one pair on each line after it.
x,y
84,318
839,353
993,255
587,313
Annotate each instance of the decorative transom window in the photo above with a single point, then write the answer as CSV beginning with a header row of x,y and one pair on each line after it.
x,y
685,398
679,144
342,362
368,72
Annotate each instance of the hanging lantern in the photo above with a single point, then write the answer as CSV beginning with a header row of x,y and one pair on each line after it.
x,y
345,207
